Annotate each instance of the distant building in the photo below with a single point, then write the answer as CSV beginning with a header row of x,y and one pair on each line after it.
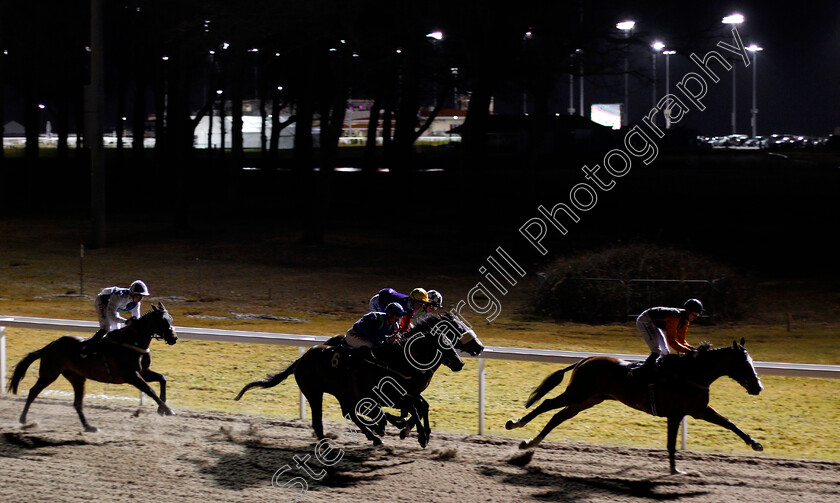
x,y
13,129
252,131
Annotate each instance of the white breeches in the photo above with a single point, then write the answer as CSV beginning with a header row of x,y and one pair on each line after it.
x,y
653,336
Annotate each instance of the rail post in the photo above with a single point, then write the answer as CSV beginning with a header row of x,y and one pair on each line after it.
x,y
481,396
301,350
2,360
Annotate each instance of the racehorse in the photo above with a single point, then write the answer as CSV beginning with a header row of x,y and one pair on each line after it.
x,y
682,389
361,388
123,357
468,342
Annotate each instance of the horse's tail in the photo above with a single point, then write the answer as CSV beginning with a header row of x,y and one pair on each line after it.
x,y
270,381
548,384
20,369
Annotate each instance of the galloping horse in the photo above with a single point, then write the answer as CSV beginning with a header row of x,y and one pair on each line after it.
x,y
123,357
683,390
358,387
467,342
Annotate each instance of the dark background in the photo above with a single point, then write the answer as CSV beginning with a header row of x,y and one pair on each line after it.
x,y
760,210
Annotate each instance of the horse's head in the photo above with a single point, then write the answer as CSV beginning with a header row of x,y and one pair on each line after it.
x,y
432,342
468,341
162,324
741,369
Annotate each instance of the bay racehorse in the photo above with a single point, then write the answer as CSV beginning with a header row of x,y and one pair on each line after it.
x,y
468,342
392,376
123,356
681,389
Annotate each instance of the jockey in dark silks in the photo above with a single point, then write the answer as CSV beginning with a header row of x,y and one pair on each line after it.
x,y
414,304
376,328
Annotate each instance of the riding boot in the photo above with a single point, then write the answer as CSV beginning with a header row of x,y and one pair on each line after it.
x,y
89,346
649,368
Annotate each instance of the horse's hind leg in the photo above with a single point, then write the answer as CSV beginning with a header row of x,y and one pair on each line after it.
x,y
557,402
316,406
152,376
78,383
569,412
43,381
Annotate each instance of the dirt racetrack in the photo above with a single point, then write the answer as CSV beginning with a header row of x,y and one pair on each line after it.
x,y
202,456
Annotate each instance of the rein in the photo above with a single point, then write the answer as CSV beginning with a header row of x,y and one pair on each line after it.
x,y
133,346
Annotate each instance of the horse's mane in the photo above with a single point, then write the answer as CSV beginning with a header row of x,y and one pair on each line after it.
x,y
704,346
425,325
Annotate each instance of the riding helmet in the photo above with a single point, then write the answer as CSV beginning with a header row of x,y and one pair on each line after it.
x,y
435,298
138,288
693,305
419,295
394,309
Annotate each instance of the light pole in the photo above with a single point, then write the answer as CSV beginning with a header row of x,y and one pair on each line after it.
x,y
657,47
580,61
626,27
668,86
733,19
755,49
528,36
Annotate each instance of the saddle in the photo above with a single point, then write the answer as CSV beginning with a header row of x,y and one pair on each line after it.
x,y
348,358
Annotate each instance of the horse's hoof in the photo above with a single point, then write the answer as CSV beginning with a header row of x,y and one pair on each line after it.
x,y
403,434
510,424
91,429
526,444
757,447
165,411
377,442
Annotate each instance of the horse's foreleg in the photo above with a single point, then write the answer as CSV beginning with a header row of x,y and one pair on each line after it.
x,y
398,421
569,412
673,427
423,411
152,376
349,411
709,414
137,381
78,383
43,381
547,405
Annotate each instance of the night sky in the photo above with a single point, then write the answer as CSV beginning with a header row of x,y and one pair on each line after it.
x,y
798,70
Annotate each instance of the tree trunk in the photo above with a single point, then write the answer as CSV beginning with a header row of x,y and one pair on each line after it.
x,y
138,128
373,125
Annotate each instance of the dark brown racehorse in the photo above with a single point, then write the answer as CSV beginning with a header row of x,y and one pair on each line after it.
x,y
416,413
122,357
682,389
394,377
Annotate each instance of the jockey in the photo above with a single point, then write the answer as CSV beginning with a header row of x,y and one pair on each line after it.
x,y
376,328
666,326
435,303
414,304
112,301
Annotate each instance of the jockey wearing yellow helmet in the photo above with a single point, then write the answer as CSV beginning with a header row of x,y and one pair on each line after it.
x,y
415,303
